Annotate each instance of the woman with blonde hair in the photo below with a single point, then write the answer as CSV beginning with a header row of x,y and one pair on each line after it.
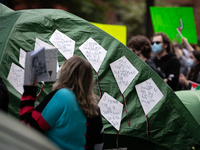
x,y
69,115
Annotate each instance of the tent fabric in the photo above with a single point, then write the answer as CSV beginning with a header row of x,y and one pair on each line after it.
x,y
15,135
171,125
191,99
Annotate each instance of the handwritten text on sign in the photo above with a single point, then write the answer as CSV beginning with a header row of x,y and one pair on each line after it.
x,y
111,109
64,44
16,77
124,72
149,94
94,53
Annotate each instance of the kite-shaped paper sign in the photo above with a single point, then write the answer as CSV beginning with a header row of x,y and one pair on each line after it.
x,y
22,57
111,109
64,44
124,72
149,95
39,44
16,77
94,53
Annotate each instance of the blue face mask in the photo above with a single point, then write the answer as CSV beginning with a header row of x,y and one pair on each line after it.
x,y
156,48
190,62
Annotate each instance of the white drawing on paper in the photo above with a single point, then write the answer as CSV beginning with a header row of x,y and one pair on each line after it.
x,y
64,44
124,72
38,68
149,95
111,109
16,77
94,53
51,55
22,57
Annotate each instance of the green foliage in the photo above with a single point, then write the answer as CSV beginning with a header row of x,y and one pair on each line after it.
x,y
131,14
91,10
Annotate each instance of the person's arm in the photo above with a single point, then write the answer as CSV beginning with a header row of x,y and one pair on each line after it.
x,y
44,115
28,113
187,45
173,74
183,80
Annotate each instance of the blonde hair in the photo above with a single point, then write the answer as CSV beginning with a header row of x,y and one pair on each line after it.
x,y
76,74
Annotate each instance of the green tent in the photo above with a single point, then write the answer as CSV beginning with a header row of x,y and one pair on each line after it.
x,y
170,124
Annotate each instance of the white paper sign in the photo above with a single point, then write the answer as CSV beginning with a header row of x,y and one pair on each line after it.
x,y
58,68
16,77
51,55
64,44
124,72
52,62
149,95
94,53
22,57
39,44
111,109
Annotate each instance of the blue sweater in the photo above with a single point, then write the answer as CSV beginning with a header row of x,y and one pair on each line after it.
x,y
58,116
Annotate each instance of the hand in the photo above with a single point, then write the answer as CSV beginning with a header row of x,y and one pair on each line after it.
x,y
183,80
184,41
187,45
165,79
34,82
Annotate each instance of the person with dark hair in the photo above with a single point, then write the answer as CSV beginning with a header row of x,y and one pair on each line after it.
x,y
178,50
165,60
141,46
194,74
4,96
69,116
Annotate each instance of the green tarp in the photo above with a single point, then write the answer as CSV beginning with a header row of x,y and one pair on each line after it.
x,y
171,125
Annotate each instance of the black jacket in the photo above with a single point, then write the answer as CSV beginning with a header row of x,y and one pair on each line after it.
x,y
169,66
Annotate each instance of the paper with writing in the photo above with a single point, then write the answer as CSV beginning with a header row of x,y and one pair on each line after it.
x,y
124,72
22,57
51,55
111,109
94,53
64,44
16,77
149,95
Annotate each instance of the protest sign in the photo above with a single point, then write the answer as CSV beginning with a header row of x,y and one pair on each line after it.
x,y
169,19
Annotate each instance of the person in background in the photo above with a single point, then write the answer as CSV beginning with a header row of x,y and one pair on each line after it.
x,y
69,115
4,96
194,74
141,46
165,60
178,50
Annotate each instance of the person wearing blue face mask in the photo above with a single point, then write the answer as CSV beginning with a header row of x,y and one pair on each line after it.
x,y
165,60
194,74
141,46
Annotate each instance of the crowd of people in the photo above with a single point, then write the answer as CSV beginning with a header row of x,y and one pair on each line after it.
x,y
177,64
